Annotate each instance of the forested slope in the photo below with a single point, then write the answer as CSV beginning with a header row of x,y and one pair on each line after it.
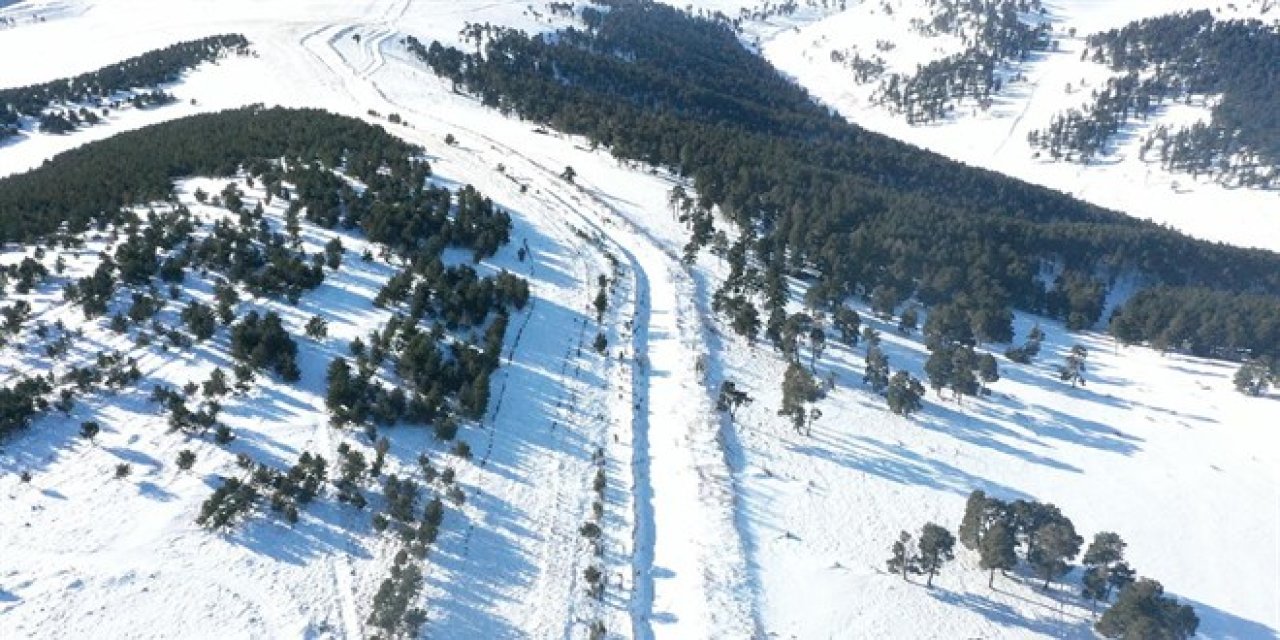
x,y
866,211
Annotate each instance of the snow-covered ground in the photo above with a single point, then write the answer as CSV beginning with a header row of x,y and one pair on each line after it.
x,y
800,45
712,529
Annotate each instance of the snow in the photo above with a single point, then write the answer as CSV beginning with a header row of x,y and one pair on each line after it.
x,y
800,46
712,528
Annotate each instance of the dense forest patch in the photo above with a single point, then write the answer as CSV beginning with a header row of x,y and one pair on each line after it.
x,y
814,193
1182,57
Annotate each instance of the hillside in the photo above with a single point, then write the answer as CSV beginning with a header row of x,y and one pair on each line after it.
x,y
820,49
597,485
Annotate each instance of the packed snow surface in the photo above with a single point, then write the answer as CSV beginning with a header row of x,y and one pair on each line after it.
x,y
712,528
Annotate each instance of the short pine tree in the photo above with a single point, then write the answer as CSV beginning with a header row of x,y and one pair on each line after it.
x,y
901,561
937,547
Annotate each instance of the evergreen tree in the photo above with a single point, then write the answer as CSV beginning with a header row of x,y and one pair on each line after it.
x,y
89,430
186,459
200,320
988,370
847,322
1143,611
317,328
901,560
1253,378
996,550
905,393
1073,370
877,369
973,523
1056,544
936,549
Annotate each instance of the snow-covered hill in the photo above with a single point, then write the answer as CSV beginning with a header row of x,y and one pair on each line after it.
x,y
711,527
801,44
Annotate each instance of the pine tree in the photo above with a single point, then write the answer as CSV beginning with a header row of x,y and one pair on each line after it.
x,y
89,430
877,369
901,561
1105,554
1142,611
1252,378
904,394
847,322
1093,585
996,550
1073,370
186,459
1056,544
1120,576
988,370
936,549
973,524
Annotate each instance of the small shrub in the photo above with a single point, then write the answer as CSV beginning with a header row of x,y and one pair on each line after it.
x,y
89,429
186,458
123,470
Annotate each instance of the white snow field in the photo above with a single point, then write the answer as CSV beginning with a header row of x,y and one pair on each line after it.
x,y
713,528
800,45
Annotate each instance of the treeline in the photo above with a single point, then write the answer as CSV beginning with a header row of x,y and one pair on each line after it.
x,y
1202,322
993,31
1175,57
814,193
93,182
103,87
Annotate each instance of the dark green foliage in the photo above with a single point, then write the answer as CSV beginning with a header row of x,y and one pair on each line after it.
x,y
263,343
974,522
392,604
1073,368
600,343
80,185
19,403
904,395
847,322
1053,546
200,320
730,398
996,550
123,470
89,430
186,459
859,209
798,390
1142,611
1104,561
876,372
1253,378
149,69
317,328
936,549
901,561
1169,58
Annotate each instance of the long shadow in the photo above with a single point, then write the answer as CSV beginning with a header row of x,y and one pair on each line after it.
x,y
1216,623
898,464
977,430
480,578
322,530
1007,616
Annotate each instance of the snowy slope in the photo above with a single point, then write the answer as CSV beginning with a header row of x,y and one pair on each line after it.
x,y
712,529
800,45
